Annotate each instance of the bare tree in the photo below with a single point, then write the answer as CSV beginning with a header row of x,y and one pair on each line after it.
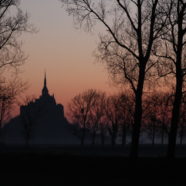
x,y
114,113
156,116
103,125
97,114
174,41
133,29
80,108
12,23
127,113
9,94
164,114
150,116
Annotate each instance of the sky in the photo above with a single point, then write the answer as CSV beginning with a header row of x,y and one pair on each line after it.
x,y
65,52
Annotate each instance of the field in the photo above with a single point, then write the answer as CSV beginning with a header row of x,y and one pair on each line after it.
x,y
89,166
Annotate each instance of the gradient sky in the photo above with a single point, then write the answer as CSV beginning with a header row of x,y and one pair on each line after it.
x,y
64,51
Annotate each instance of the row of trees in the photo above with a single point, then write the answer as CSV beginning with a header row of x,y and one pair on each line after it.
x,y
96,113
143,40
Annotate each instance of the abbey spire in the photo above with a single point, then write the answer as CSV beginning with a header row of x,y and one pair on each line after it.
x,y
45,80
45,89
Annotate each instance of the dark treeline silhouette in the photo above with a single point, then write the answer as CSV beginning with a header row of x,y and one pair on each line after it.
x,y
115,114
144,40
97,113
156,115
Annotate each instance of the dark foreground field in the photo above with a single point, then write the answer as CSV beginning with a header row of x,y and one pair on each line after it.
x,y
88,166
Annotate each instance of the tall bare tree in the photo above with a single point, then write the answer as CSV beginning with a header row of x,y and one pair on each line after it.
x,y
174,41
13,22
133,28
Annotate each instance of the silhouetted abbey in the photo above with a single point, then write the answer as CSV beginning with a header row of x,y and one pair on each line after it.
x,y
45,104
41,121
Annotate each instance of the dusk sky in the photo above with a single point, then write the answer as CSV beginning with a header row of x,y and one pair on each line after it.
x,y
66,53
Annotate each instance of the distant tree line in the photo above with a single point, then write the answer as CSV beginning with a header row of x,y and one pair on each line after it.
x,y
109,117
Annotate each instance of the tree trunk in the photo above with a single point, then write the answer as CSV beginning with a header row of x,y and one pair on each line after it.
x,y
162,134
83,136
153,134
94,136
113,139
137,113
179,85
2,113
102,137
175,116
114,133
124,135
181,134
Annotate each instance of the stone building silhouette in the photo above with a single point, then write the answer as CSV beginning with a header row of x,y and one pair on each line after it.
x,y
41,121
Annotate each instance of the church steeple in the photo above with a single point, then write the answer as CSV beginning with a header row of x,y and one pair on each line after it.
x,y
45,89
45,80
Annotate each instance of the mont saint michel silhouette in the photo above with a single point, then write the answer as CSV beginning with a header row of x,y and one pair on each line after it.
x,y
40,122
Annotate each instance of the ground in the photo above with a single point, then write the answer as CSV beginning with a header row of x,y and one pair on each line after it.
x,y
47,167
